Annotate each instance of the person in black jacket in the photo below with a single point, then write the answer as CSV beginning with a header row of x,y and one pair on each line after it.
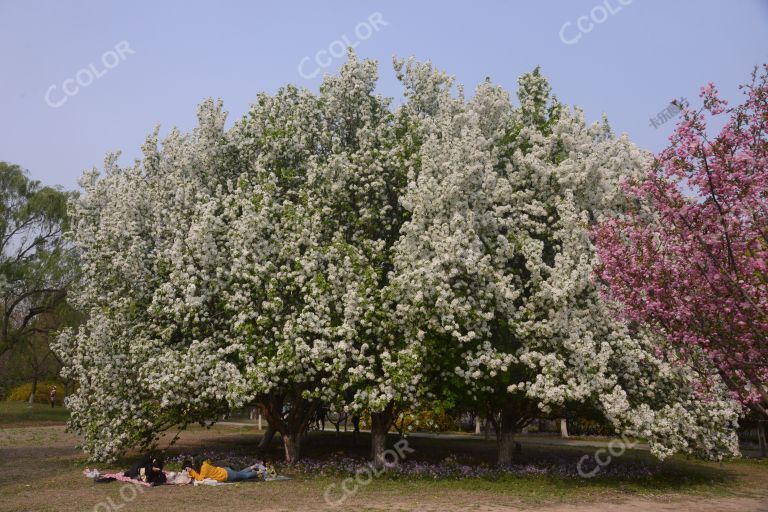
x,y
148,469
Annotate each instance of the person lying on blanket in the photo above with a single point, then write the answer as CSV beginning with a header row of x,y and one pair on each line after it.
x,y
226,474
149,469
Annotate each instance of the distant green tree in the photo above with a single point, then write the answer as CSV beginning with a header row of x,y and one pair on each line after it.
x,y
35,261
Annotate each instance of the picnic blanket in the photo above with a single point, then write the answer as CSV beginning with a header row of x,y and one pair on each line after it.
x,y
210,481
171,478
96,475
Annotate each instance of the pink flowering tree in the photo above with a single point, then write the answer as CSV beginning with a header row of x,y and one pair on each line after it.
x,y
690,260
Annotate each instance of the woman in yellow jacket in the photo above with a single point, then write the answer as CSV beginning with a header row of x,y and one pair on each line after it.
x,y
225,474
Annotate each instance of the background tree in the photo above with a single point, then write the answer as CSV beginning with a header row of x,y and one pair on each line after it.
x,y
36,267
34,358
691,259
34,271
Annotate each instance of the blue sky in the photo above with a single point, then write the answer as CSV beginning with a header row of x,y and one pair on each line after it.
x,y
154,61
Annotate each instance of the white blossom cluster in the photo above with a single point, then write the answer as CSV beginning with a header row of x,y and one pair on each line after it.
x,y
330,248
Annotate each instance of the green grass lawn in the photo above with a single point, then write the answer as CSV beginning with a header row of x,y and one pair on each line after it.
x,y
13,413
41,470
41,466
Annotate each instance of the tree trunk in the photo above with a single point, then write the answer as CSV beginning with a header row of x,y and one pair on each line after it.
x,y
478,425
762,430
355,429
506,442
292,443
510,422
34,390
380,423
266,439
291,421
563,428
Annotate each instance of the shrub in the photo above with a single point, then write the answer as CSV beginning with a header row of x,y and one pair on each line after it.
x,y
425,421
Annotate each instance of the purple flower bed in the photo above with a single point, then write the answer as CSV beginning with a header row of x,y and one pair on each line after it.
x,y
448,469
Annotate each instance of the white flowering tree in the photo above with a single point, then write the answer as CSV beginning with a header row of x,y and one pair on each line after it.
x,y
328,249
312,255
248,265
155,350
495,272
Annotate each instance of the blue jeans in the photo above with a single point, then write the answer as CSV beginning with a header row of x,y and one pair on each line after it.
x,y
243,474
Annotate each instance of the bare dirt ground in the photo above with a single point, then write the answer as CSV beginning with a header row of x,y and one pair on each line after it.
x,y
41,470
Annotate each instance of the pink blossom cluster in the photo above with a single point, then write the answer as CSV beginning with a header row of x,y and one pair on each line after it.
x,y
690,257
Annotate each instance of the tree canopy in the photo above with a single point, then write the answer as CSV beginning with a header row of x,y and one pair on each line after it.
x,y
35,264
331,249
690,259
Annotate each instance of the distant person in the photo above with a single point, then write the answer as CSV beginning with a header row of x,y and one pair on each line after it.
x,y
53,396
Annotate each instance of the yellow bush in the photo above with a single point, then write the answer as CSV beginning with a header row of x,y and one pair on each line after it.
x,y
422,420
42,394
427,420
